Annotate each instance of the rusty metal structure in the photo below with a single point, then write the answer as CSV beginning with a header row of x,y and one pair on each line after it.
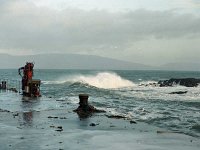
x,y
30,86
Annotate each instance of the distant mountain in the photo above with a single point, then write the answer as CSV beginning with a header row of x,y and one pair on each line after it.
x,y
181,66
68,61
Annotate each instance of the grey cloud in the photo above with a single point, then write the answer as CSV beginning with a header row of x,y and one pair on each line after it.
x,y
25,26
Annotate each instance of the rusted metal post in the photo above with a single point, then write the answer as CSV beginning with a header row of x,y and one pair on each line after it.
x,y
83,100
3,85
85,109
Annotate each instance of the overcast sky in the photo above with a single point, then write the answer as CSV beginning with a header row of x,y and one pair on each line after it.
x,y
144,31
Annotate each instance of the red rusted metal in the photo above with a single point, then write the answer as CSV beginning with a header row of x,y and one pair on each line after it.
x,y
30,87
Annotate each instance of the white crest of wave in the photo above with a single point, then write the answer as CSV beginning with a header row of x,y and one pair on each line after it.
x,y
53,82
106,80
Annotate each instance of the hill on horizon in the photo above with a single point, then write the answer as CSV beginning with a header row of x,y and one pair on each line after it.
x,y
77,61
68,61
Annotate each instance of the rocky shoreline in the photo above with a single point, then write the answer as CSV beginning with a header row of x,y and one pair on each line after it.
x,y
188,82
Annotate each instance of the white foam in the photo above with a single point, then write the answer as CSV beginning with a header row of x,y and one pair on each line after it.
x,y
149,92
106,80
53,82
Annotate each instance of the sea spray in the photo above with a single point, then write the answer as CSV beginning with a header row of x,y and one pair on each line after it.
x,y
105,80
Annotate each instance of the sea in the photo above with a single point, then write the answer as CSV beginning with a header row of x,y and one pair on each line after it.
x,y
127,93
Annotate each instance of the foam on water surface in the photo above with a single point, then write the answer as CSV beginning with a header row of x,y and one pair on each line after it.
x,y
105,80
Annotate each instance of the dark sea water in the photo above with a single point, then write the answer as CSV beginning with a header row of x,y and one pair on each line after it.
x,y
120,93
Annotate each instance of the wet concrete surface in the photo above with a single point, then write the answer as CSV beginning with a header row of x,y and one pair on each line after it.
x,y
49,124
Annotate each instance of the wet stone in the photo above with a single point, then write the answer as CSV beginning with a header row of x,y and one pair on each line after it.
x,y
92,124
59,130
116,116
179,92
1,110
63,118
59,127
133,122
15,115
52,117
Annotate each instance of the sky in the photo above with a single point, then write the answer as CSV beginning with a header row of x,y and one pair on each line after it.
x,y
152,32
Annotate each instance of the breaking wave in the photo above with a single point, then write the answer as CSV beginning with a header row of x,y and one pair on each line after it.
x,y
105,80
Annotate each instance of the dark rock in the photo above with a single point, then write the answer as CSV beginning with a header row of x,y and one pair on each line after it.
x,y
14,115
188,82
63,118
131,122
154,84
52,117
196,127
61,100
162,132
1,110
179,92
92,124
116,116
59,130
59,127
